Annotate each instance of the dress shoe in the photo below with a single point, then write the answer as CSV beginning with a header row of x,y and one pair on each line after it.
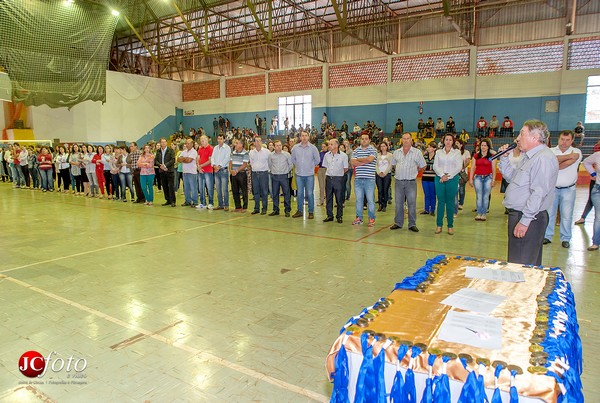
x,y
395,226
186,204
581,221
592,248
413,228
166,204
297,214
311,216
287,213
450,231
438,230
339,220
546,241
424,212
263,212
274,213
328,219
565,244
218,208
254,212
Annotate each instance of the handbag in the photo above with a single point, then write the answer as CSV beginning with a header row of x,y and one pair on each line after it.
x,y
463,178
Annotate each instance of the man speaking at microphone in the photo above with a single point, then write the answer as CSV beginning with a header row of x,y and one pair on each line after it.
x,y
530,192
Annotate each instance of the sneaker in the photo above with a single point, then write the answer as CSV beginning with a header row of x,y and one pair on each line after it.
x,y
478,217
200,206
210,207
357,221
371,222
482,218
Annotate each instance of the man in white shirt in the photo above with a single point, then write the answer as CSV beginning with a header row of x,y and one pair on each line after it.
x,y
188,158
259,162
220,162
564,196
336,164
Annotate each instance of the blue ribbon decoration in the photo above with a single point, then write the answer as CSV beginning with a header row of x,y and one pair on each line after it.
x,y
365,383
496,397
441,383
481,388
411,283
340,379
428,392
410,391
379,367
397,392
514,395
470,390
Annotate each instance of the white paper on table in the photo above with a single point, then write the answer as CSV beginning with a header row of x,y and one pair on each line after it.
x,y
486,273
469,299
474,330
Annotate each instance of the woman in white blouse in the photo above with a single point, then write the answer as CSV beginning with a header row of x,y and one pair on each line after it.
x,y
383,169
448,163
592,165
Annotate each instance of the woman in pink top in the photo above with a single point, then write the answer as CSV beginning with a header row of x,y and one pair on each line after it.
x,y
146,165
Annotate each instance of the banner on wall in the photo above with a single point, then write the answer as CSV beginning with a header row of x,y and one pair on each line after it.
x,y
188,113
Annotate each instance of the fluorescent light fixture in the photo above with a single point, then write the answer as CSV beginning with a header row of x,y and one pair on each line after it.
x,y
68,2
115,13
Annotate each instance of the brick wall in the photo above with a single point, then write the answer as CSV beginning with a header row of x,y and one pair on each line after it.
x,y
245,86
201,91
358,74
296,80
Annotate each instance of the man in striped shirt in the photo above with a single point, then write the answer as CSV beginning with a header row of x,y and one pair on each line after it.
x,y
363,161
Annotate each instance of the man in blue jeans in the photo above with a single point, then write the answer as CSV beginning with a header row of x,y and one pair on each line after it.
x,y
220,162
188,158
568,159
363,161
259,161
305,157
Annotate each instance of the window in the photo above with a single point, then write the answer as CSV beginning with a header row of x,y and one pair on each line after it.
x,y
298,110
592,103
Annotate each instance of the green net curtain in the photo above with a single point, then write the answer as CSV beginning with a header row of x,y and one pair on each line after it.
x,y
55,52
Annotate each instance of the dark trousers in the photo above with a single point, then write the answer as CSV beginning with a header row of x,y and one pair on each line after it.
x,y
78,183
139,195
334,185
526,250
108,182
66,178
116,183
260,189
280,183
239,188
383,189
168,184
25,170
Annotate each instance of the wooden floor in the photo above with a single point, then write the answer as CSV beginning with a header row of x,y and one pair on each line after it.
x,y
177,304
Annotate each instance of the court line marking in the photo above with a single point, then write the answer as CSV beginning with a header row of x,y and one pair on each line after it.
x,y
192,350
119,245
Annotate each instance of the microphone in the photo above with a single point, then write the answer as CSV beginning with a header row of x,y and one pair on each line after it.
x,y
501,153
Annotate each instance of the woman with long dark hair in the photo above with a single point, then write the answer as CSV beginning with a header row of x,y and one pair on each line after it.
x,y
75,162
448,163
62,165
483,172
